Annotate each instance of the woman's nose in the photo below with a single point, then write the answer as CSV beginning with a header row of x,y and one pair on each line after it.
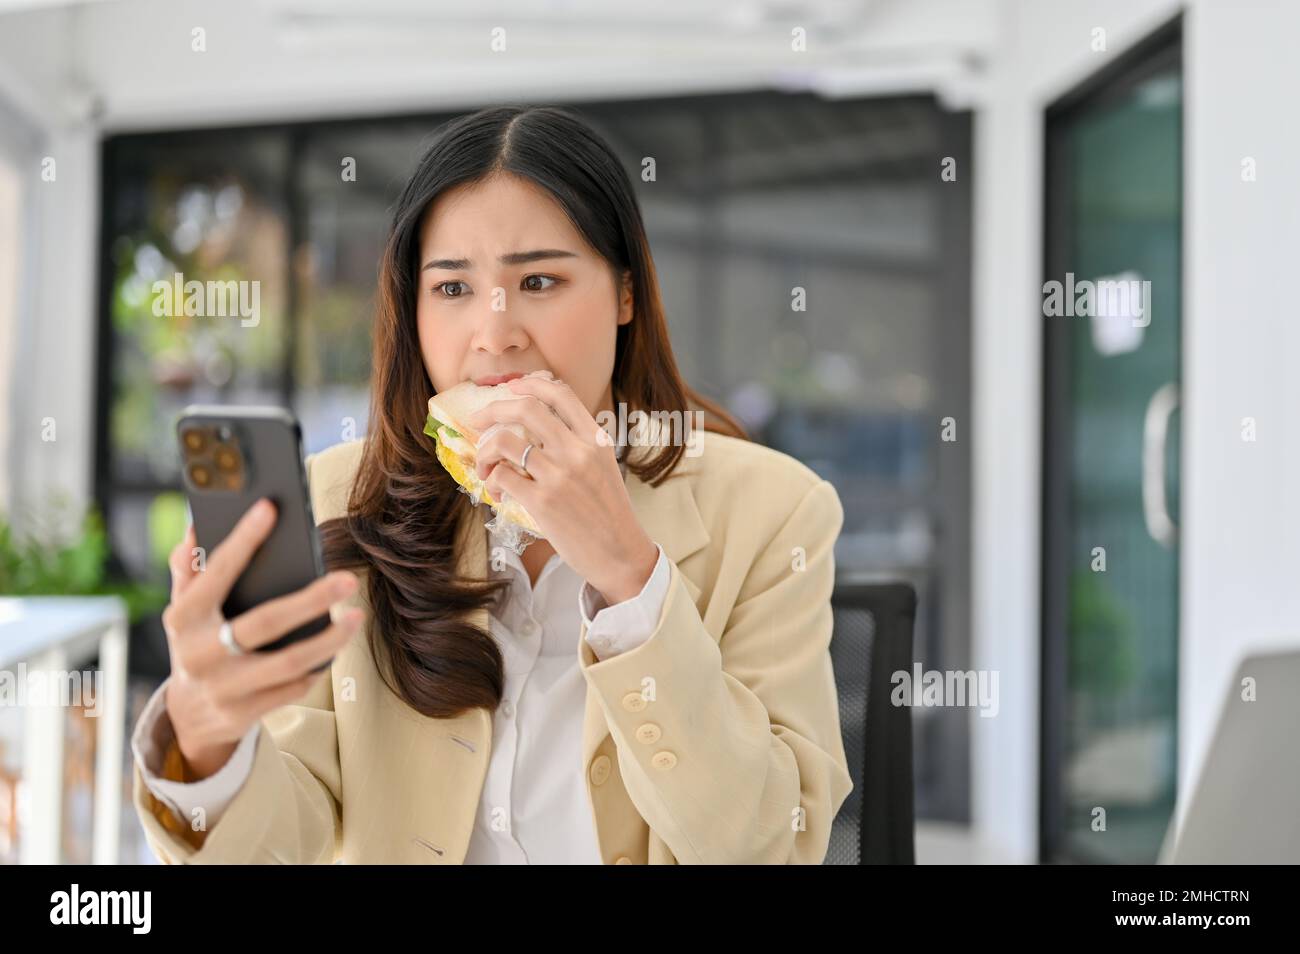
x,y
497,331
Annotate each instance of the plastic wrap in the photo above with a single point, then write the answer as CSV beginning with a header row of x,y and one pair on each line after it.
x,y
507,533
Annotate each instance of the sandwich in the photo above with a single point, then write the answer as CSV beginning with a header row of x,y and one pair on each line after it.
x,y
457,443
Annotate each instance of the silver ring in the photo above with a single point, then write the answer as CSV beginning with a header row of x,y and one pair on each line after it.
x,y
523,461
227,637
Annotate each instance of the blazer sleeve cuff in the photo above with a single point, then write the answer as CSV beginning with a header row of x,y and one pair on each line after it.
x,y
153,744
611,630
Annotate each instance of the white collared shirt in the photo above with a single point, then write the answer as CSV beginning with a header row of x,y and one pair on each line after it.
x,y
534,807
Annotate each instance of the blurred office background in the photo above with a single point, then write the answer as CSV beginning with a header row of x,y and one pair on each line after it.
x,y
982,451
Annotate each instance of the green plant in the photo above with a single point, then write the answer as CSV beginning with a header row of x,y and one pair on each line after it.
x,y
45,563
1103,657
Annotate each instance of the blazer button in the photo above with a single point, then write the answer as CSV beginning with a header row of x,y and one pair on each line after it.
x,y
599,769
663,760
623,860
648,733
634,702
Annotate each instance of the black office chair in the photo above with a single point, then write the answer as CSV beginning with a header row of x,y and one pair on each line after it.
x,y
872,639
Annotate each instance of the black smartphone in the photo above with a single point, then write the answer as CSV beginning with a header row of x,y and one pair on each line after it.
x,y
230,457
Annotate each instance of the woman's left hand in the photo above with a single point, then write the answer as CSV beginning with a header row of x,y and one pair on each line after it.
x,y
575,490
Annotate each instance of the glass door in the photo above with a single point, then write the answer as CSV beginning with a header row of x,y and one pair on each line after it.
x,y
1112,309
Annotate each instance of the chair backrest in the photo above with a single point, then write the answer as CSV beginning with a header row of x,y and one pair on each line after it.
x,y
872,639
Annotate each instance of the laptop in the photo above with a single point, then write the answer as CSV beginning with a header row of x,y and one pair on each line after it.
x,y
1245,808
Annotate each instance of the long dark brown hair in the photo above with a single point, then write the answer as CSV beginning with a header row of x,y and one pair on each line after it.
x,y
404,509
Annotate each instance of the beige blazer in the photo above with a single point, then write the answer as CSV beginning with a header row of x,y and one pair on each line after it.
x,y
717,741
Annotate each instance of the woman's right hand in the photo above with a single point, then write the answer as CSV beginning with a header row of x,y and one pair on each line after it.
x,y
213,697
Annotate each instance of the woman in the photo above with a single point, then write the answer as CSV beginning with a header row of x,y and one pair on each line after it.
x,y
650,683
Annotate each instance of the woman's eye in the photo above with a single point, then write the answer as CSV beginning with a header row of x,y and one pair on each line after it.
x,y
531,282
443,285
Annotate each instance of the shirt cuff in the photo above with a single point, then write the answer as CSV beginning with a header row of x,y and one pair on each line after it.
x,y
616,629
150,742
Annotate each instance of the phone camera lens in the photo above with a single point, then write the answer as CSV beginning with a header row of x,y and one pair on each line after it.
x,y
226,459
201,476
195,440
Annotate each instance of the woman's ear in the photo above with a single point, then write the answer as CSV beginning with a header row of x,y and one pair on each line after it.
x,y
625,298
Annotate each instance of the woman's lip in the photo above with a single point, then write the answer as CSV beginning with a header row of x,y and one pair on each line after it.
x,y
492,379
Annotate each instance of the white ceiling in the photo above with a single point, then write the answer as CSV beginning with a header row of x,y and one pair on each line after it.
x,y
129,64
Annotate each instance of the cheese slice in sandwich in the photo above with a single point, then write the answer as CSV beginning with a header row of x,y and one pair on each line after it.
x,y
457,441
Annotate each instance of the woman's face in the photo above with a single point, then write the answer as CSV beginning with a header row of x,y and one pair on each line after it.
x,y
507,284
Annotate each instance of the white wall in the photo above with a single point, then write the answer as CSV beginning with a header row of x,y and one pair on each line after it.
x,y
49,353
1241,546
55,369
12,261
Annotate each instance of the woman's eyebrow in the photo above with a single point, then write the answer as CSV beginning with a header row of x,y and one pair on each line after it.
x,y
513,258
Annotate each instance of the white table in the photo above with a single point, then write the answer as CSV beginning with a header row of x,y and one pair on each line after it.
x,y
55,635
